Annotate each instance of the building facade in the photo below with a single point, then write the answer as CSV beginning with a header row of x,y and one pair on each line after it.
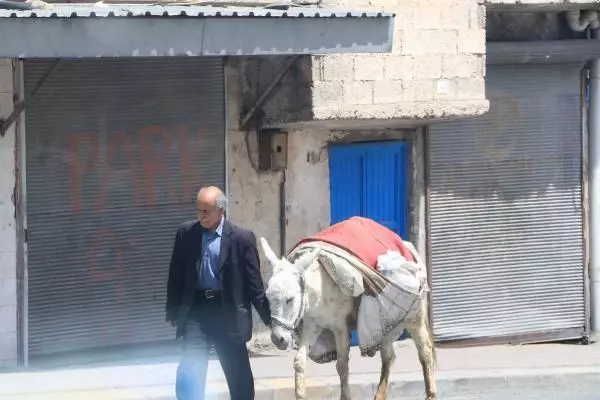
x,y
465,156
116,138
495,199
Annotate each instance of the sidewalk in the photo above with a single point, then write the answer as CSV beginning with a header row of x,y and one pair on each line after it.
x,y
458,368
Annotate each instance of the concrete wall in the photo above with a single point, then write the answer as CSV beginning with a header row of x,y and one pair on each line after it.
x,y
8,243
254,196
436,70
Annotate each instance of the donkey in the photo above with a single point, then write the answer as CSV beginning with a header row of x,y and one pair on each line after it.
x,y
304,299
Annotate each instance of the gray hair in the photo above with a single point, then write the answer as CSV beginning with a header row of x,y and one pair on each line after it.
x,y
221,202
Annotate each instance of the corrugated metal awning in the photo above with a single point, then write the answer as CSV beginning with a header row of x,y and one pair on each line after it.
x,y
125,30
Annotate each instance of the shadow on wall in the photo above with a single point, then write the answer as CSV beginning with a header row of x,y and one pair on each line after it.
x,y
291,100
524,26
532,133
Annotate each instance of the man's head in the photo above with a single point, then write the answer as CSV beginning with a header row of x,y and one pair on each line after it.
x,y
210,207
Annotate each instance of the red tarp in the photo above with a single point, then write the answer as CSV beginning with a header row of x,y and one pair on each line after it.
x,y
364,238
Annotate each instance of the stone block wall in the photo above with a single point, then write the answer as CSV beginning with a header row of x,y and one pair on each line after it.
x,y
436,68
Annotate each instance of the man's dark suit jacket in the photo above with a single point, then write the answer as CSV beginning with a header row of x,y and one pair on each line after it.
x,y
240,279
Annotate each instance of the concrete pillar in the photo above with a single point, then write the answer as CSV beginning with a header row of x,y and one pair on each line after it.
x,y
8,236
594,195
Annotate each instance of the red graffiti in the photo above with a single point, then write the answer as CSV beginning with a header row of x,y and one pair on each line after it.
x,y
107,242
152,165
136,160
121,143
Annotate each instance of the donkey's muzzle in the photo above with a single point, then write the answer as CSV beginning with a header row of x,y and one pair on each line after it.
x,y
281,342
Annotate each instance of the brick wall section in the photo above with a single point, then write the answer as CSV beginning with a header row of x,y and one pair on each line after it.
x,y
8,245
436,69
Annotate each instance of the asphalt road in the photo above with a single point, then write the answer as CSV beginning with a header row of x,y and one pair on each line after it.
x,y
527,396
563,387
567,393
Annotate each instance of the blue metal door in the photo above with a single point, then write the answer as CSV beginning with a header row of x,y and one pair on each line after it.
x,y
370,180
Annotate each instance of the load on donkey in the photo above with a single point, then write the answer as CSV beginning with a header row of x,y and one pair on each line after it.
x,y
355,275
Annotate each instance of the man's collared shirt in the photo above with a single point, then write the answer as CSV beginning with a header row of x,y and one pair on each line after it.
x,y
208,274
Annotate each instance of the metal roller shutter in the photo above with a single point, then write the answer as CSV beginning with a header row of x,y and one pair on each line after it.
x,y
505,216
116,149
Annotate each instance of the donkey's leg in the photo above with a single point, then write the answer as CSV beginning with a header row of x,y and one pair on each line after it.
x,y
342,344
421,333
388,355
307,338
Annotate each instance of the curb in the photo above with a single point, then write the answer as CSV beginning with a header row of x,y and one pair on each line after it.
x,y
451,382
362,386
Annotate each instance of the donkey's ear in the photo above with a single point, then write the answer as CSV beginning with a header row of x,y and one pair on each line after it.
x,y
306,260
271,257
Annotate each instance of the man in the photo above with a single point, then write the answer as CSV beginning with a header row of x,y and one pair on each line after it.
x,y
214,276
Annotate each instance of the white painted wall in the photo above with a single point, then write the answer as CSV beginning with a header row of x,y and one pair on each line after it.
x,y
8,236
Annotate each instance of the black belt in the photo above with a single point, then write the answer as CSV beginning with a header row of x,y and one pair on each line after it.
x,y
208,294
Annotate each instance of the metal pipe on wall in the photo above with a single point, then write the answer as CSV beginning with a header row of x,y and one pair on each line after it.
x,y
594,196
282,215
585,205
21,218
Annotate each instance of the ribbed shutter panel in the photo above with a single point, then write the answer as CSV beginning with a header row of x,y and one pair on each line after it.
x,y
116,149
505,216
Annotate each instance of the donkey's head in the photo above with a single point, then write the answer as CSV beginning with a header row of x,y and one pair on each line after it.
x,y
286,294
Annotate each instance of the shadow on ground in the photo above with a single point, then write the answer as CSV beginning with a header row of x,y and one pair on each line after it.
x,y
155,353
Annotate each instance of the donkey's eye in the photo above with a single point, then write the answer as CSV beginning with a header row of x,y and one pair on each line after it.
x,y
289,301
